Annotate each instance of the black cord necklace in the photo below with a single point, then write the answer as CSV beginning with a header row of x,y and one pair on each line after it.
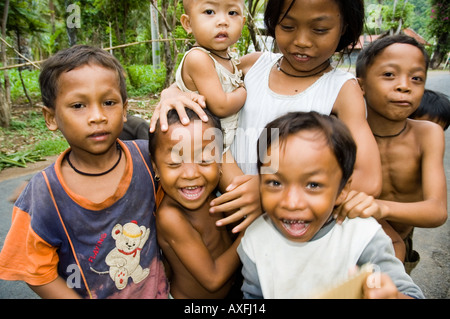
x,y
393,135
326,65
95,174
228,58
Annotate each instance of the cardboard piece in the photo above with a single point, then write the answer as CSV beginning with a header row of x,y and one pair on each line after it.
x,y
352,288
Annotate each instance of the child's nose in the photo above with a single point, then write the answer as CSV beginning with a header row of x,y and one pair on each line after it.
x,y
97,115
190,171
403,84
302,39
222,19
294,198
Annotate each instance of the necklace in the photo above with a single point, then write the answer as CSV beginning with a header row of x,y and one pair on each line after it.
x,y
326,65
393,135
228,58
95,174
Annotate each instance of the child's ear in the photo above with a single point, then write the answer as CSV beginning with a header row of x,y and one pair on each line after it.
x,y
49,116
186,23
155,169
125,109
344,192
361,84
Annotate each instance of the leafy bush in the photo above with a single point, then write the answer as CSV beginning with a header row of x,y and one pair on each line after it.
x,y
144,79
31,80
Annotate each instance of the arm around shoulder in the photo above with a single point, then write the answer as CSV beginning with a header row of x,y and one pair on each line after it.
x,y
350,108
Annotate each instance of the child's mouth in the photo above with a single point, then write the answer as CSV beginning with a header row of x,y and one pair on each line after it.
x,y
295,228
192,192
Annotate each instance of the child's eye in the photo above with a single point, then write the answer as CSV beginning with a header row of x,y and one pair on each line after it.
x,y
313,185
233,13
286,27
417,78
388,74
209,12
273,183
109,103
321,30
77,105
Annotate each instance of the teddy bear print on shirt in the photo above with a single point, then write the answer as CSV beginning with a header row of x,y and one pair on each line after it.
x,y
124,259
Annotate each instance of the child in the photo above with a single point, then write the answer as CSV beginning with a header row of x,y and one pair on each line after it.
x,y
300,78
296,249
202,257
84,226
210,68
392,73
435,107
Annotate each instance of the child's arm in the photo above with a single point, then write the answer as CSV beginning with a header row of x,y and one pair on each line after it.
x,y
432,210
240,196
200,70
349,108
57,289
211,272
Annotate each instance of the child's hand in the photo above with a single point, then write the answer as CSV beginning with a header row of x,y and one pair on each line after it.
x,y
380,286
357,204
241,195
173,98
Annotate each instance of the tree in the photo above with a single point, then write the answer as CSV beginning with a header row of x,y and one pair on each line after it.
x,y
440,27
5,98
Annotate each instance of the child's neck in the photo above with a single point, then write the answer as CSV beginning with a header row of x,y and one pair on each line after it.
x,y
383,128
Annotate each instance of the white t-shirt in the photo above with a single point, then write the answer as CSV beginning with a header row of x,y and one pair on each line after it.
x,y
263,106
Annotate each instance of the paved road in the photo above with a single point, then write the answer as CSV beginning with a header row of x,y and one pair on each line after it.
x,y
432,274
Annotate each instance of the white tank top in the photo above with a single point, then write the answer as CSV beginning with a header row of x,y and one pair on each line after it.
x,y
263,106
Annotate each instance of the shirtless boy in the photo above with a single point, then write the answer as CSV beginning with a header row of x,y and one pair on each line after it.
x,y
392,73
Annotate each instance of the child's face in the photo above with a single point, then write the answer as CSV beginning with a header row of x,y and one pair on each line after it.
x,y
89,110
187,160
215,24
301,195
394,83
310,33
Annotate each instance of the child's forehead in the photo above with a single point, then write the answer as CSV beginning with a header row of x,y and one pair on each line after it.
x,y
399,50
196,132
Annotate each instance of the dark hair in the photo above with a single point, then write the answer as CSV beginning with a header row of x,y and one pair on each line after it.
x,y
352,16
337,135
436,106
71,58
369,53
173,118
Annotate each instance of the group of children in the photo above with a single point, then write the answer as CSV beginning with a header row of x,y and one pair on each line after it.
x,y
276,189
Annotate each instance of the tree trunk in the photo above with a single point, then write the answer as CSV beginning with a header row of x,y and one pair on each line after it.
x,y
5,91
19,49
440,53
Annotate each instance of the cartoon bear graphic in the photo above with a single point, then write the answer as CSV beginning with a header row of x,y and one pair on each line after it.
x,y
124,259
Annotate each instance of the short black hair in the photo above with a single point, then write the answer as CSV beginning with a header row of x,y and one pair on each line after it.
x,y
369,53
434,105
72,58
336,133
173,117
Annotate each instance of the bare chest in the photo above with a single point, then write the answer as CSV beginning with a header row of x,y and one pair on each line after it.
x,y
402,170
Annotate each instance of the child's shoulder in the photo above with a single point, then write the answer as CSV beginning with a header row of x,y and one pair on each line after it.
x,y
197,55
426,132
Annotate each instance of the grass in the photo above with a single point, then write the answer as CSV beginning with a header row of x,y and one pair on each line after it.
x,y
28,140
